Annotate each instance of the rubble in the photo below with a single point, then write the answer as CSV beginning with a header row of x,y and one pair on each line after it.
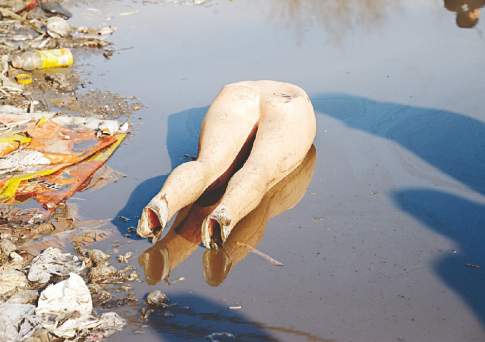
x,y
55,138
157,298
52,262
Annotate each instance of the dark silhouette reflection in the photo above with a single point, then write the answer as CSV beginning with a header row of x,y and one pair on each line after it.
x,y
195,318
467,11
451,142
184,236
182,142
463,221
248,233
454,144
337,18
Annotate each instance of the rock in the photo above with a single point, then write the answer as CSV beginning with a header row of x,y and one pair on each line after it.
x,y
157,298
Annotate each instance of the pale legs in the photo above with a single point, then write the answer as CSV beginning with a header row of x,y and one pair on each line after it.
x,y
227,127
285,122
286,131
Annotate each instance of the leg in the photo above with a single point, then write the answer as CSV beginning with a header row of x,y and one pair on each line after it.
x,y
285,134
227,128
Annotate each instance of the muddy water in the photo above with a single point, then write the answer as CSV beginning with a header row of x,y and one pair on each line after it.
x,y
382,245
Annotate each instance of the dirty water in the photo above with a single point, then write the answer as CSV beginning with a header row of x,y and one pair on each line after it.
x,y
378,247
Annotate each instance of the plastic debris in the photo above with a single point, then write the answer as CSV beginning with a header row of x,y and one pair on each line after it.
x,y
23,79
52,262
13,323
65,310
58,27
50,166
11,280
60,301
221,336
55,8
43,59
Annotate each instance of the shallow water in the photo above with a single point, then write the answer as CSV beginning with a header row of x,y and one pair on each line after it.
x,y
377,248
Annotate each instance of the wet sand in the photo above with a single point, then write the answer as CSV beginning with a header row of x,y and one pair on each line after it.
x,y
382,246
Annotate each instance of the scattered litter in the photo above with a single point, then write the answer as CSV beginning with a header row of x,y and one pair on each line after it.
x,y
52,262
221,336
235,307
58,27
11,280
43,59
97,256
12,321
265,256
65,310
473,266
125,257
23,79
124,14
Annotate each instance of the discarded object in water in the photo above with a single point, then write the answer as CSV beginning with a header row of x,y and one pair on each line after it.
x,y
43,59
184,236
266,117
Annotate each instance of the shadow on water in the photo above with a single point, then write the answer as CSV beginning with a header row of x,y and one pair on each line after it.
x,y
182,141
454,144
451,142
196,317
463,221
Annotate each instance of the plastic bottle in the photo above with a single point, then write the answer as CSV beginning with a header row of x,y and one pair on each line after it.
x,y
43,59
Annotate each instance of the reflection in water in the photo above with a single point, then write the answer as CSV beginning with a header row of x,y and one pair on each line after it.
x,y
249,232
467,11
336,17
184,237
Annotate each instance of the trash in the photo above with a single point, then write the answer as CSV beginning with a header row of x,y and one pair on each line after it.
x,y
51,167
24,296
157,298
107,30
97,256
58,27
103,177
235,307
52,262
104,274
125,257
65,310
24,79
221,336
54,8
265,256
65,306
11,280
277,135
43,59
13,325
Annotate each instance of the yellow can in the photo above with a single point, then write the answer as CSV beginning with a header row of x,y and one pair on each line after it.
x,y
24,79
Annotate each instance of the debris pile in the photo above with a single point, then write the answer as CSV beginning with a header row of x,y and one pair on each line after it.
x,y
50,296
46,156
